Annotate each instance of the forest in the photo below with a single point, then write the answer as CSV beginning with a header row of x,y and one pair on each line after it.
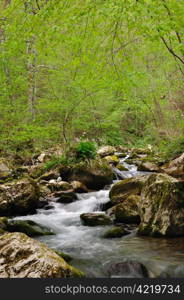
x,y
91,138
107,71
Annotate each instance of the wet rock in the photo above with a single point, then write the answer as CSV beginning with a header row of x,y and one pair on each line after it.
x,y
79,187
175,167
28,227
128,269
131,186
128,210
162,206
19,197
148,167
65,196
21,257
106,150
95,174
115,232
112,159
95,219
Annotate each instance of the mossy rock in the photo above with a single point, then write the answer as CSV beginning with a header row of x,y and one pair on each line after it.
x,y
19,197
106,150
131,186
162,207
121,167
32,259
115,232
128,210
28,227
94,174
112,159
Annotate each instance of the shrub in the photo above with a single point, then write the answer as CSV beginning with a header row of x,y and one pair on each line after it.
x,y
85,150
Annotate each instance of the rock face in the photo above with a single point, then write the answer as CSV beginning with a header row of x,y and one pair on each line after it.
x,y
128,211
131,186
162,206
21,256
28,227
19,198
94,175
128,269
95,219
106,150
115,232
175,167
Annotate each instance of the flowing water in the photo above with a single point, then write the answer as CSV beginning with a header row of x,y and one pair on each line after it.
x,y
94,254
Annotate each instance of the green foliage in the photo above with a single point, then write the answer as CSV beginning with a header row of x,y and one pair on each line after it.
x,y
85,150
115,75
172,149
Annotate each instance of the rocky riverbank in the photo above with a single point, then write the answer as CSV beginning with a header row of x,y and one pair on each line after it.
x,y
150,204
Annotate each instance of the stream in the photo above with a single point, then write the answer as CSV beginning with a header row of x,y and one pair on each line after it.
x,y
93,254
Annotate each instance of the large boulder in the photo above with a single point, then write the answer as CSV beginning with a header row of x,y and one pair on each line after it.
x,y
95,219
21,256
131,186
19,198
175,167
106,150
94,174
128,210
28,227
162,206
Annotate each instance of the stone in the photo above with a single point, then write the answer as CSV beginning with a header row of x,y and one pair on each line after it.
x,y
175,167
121,167
130,186
23,257
148,167
79,187
28,227
94,174
65,196
95,219
19,197
162,206
112,159
59,186
106,150
115,232
128,269
128,210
